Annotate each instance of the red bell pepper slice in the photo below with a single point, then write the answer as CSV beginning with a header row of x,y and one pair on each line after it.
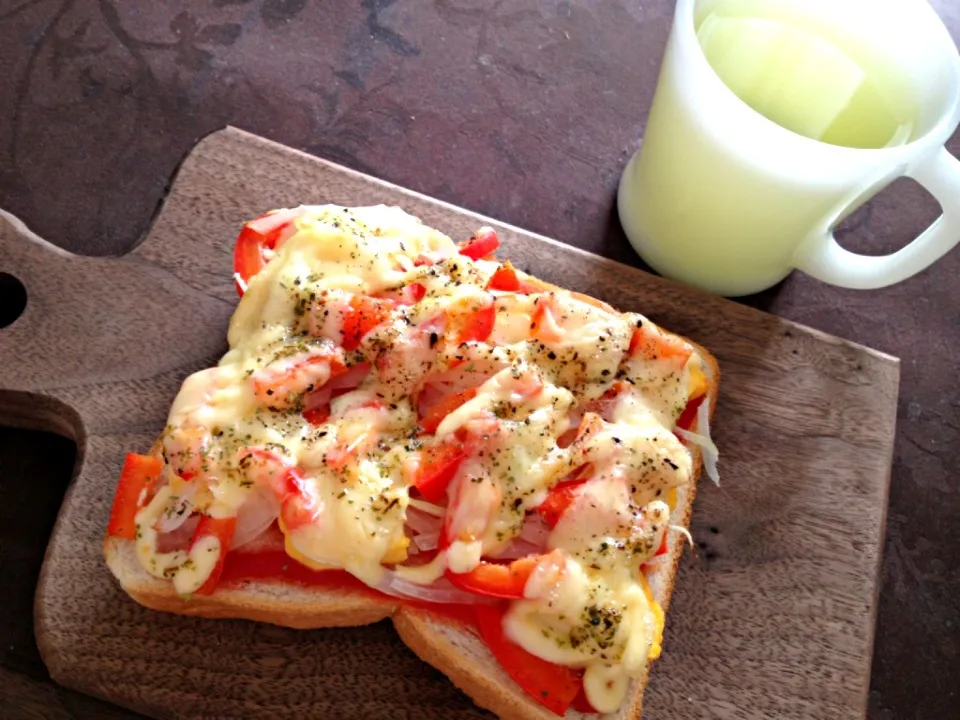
x,y
495,580
222,529
581,704
505,278
317,415
689,414
436,467
139,474
560,497
436,413
664,548
413,294
553,686
363,315
481,244
477,325
263,233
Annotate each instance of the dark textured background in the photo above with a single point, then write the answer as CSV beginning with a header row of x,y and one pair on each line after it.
x,y
523,111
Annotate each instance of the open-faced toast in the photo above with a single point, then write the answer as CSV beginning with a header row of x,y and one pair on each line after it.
x,y
406,428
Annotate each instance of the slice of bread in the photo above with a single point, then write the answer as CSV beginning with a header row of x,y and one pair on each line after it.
x,y
459,653
449,645
277,603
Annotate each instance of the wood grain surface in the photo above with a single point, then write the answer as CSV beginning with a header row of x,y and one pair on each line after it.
x,y
772,616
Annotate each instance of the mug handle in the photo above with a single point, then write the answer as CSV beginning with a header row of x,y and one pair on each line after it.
x,y
823,258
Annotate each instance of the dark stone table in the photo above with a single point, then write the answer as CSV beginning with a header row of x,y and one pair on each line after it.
x,y
523,111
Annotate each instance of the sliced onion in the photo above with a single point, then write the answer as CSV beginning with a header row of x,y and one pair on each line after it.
x,y
516,550
535,530
701,439
270,540
683,531
532,540
350,380
148,493
180,538
179,510
427,541
255,516
439,591
427,507
423,522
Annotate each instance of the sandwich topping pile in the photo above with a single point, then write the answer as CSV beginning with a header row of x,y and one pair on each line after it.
x,y
408,413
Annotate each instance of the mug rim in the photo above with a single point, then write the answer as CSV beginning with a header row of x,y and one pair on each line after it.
x,y
937,134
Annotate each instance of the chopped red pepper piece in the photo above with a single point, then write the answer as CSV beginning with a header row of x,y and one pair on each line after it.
x,y
416,291
689,414
434,416
481,244
664,548
363,315
562,495
477,325
553,686
496,580
560,498
505,278
581,704
222,529
436,467
139,474
257,236
317,415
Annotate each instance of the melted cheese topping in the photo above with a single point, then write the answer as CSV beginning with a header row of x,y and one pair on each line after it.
x,y
553,362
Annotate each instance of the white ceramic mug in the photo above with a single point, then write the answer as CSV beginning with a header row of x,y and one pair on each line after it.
x,y
722,198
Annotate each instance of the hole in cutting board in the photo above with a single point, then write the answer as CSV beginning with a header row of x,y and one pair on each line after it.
x,y
35,470
13,299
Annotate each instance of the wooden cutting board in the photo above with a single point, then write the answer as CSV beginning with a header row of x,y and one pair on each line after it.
x,y
773,616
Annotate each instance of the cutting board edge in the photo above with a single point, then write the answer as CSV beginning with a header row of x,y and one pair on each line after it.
x,y
881,541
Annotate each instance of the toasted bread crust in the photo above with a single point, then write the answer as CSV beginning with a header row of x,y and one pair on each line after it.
x,y
267,602
442,643
451,647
